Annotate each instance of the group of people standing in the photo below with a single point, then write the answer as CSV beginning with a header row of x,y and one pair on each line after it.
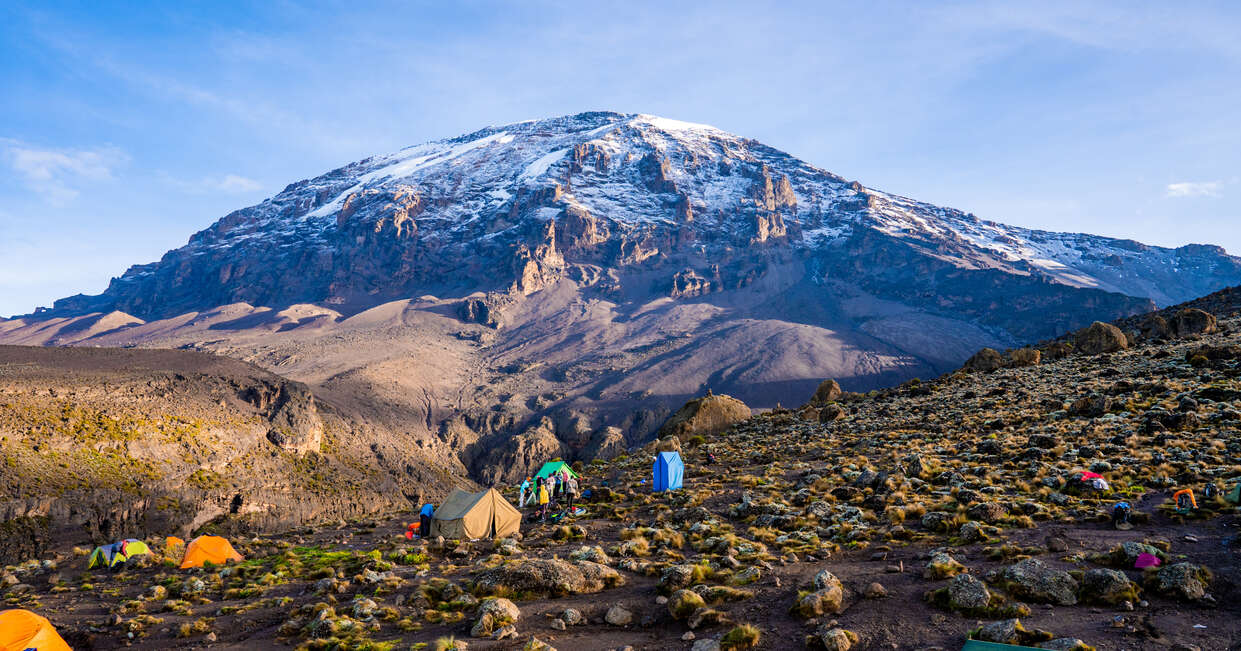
x,y
546,493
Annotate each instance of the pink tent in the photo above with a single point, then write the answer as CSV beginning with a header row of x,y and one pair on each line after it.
x,y
1086,474
1146,560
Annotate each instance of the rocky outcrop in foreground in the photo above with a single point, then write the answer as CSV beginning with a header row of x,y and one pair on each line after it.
x,y
914,517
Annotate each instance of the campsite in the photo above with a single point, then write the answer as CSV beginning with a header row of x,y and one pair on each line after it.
x,y
839,524
623,326
1072,503
366,573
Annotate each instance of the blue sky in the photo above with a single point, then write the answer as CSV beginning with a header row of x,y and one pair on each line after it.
x,y
125,129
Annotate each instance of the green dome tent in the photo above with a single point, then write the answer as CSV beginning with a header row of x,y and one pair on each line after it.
x,y
554,468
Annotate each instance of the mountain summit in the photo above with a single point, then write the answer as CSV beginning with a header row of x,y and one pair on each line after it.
x,y
518,206
557,287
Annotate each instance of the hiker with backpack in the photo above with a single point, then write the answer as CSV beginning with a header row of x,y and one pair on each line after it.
x,y
544,499
1185,501
1120,516
570,492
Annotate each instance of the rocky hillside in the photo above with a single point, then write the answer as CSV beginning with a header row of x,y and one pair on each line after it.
x,y
910,517
558,287
100,443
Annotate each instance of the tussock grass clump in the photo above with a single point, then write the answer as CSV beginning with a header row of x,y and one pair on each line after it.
x,y
1009,553
634,545
743,636
683,603
719,594
197,627
569,532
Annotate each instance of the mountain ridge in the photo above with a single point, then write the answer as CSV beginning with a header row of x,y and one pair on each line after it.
x,y
530,167
558,287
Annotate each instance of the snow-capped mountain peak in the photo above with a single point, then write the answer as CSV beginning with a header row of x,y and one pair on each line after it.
x,y
604,189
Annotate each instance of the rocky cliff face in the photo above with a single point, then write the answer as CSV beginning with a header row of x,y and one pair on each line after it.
x,y
528,289
100,444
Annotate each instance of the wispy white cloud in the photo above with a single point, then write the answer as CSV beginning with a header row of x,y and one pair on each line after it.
x,y
1193,189
57,174
226,184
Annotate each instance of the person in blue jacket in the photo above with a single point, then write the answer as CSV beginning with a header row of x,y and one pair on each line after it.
x,y
1120,515
424,520
525,490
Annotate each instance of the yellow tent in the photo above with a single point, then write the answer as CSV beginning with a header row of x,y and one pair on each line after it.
x,y
475,515
132,547
109,556
21,630
208,549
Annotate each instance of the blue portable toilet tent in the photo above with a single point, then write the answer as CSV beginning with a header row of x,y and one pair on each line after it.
x,y
668,471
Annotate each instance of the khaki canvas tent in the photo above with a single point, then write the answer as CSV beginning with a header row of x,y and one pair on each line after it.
x,y
475,515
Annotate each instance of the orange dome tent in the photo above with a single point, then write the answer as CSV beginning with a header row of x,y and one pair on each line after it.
x,y
208,549
21,630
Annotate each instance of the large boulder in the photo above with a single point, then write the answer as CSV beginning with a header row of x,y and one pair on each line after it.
x,y
1025,357
549,577
494,613
1099,338
985,360
1010,631
966,592
1091,405
942,566
1127,553
827,599
989,512
1006,631
676,577
938,521
619,615
1103,586
1153,326
1032,580
834,638
828,391
825,579
710,414
1193,321
1184,581
831,413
